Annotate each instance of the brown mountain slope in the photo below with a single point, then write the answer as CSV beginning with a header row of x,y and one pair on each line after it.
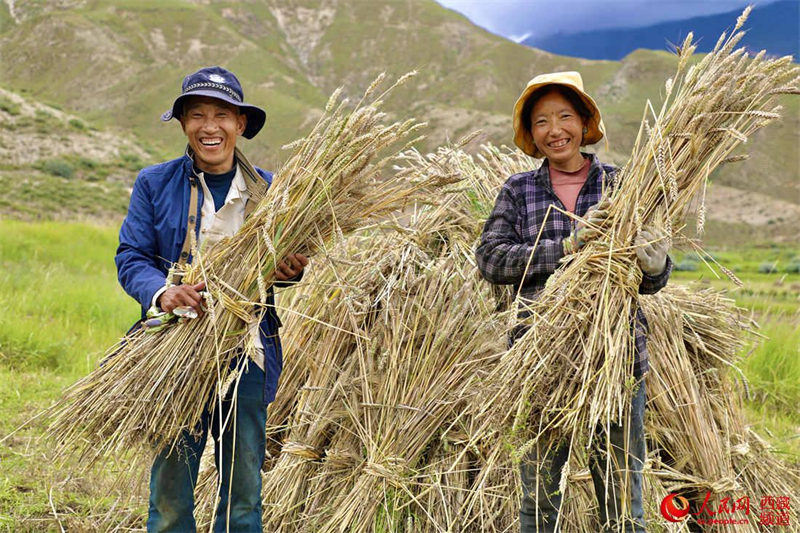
x,y
119,64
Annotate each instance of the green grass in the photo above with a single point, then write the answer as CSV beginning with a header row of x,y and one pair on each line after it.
x,y
36,195
772,367
69,185
29,480
58,167
767,294
62,306
9,106
773,376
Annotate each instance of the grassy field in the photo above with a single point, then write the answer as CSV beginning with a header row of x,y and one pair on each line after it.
x,y
62,307
771,276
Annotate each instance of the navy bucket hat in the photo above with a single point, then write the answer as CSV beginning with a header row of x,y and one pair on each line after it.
x,y
222,84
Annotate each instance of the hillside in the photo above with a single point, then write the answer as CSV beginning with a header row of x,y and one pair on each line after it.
x,y
117,65
55,165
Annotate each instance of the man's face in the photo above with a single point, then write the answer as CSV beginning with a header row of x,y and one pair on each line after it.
x,y
211,126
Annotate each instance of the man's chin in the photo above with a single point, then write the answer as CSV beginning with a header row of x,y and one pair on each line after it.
x,y
203,159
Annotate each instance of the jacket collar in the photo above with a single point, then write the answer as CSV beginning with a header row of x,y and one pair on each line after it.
x,y
238,187
252,181
596,172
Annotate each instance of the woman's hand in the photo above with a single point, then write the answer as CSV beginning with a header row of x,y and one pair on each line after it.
x,y
586,231
651,251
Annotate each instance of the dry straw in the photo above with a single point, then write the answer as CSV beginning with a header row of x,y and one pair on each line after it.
x,y
154,386
571,373
698,432
398,398
362,444
372,428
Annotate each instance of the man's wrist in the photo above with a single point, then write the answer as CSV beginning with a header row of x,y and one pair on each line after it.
x,y
155,302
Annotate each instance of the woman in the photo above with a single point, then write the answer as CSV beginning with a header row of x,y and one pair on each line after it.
x,y
553,118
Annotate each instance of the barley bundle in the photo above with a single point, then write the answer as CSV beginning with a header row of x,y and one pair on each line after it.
x,y
317,342
343,407
361,294
378,407
697,431
686,388
154,386
398,387
353,297
431,346
699,428
571,372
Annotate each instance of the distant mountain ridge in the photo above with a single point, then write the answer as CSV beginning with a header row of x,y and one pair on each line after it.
x,y
774,27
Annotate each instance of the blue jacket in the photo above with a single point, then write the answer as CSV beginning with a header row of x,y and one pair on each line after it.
x,y
151,238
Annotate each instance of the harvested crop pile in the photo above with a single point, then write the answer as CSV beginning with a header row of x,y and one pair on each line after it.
x,y
371,426
698,430
376,427
155,385
401,408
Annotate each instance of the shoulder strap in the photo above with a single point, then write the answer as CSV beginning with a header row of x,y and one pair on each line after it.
x,y
191,223
256,186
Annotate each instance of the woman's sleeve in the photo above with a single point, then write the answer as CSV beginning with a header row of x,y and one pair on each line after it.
x,y
653,284
503,255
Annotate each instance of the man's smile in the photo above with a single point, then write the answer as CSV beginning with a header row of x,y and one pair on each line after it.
x,y
211,141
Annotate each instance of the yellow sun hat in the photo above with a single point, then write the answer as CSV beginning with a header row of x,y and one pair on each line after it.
x,y
572,80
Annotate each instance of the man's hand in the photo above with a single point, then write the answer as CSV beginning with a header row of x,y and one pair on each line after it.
x,y
182,295
651,251
290,267
583,233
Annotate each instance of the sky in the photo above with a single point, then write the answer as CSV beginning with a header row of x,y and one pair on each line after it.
x,y
517,19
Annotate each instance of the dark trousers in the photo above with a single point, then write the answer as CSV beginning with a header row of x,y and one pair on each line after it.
x,y
540,503
240,448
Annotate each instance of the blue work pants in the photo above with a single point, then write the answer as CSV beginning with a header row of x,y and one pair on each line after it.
x,y
625,469
174,475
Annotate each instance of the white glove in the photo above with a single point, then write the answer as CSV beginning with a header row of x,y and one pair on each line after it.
x,y
583,233
651,251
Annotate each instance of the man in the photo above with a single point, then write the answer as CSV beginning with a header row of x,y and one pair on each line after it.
x,y
206,191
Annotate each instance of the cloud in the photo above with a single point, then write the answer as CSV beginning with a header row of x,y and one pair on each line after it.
x,y
519,38
512,18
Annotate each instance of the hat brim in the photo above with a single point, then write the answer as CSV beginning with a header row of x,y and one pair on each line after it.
x,y
523,137
256,117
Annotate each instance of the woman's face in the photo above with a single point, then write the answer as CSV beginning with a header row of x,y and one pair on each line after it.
x,y
557,130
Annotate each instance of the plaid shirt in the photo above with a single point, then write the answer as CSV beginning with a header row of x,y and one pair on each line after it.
x,y
511,230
